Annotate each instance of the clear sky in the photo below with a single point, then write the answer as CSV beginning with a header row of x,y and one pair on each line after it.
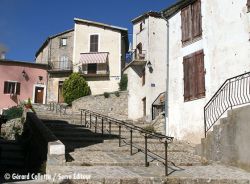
x,y
25,24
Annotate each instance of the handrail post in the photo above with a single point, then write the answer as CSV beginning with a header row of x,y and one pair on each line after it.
x,y
146,151
166,157
85,119
131,142
81,117
90,121
95,124
205,123
49,106
119,135
102,125
229,94
109,127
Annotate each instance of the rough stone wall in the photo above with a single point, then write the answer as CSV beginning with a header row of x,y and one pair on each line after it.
x,y
113,106
228,143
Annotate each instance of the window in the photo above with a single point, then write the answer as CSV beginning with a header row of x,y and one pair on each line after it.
x,y
143,77
141,26
63,64
12,87
92,68
63,42
93,43
194,76
191,23
144,106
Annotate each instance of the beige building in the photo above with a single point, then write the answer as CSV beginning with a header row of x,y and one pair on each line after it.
x,y
99,54
57,52
96,50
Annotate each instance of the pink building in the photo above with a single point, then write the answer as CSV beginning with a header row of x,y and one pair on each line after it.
x,y
20,81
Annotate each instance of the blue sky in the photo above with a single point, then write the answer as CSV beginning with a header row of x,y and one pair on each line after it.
x,y
25,24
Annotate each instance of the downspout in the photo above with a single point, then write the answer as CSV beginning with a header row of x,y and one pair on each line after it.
x,y
166,127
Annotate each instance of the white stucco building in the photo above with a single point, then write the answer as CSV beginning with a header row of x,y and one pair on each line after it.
x,y
147,69
208,43
99,54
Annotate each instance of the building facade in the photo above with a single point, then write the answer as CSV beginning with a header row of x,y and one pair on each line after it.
x,y
147,69
57,52
99,54
20,81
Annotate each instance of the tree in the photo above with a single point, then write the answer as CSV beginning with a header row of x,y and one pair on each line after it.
x,y
123,82
75,87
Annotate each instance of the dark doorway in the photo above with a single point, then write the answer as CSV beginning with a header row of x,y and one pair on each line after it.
x,y
144,106
39,91
60,92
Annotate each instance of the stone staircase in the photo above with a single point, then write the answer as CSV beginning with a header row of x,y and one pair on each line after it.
x,y
91,153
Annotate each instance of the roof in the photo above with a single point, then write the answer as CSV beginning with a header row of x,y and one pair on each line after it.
x,y
23,63
78,20
45,43
145,15
175,8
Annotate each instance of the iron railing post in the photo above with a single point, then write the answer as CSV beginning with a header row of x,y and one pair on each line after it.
x,y
229,95
146,150
85,118
81,117
95,124
131,142
205,123
90,121
119,135
102,125
166,157
50,106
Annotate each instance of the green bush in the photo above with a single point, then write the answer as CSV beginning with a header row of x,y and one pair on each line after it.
x,y
123,82
13,112
117,93
150,129
75,87
106,94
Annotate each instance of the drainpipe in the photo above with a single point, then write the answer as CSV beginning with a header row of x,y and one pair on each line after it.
x,y
167,81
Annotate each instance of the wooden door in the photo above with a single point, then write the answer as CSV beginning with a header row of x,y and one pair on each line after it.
x,y
60,92
144,106
39,91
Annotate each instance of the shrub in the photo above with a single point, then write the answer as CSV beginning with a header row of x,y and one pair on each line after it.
x,y
28,105
117,93
13,112
75,87
150,129
123,82
106,94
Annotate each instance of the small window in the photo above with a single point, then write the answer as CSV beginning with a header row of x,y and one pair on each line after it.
x,y
63,42
12,87
248,5
141,26
92,68
94,43
143,77
194,76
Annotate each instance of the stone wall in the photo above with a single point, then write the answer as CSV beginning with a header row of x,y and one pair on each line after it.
x,y
113,106
228,143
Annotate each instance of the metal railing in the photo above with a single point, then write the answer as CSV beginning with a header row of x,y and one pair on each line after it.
x,y
61,65
234,91
136,55
57,107
132,128
158,105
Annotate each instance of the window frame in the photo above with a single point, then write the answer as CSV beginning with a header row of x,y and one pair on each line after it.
x,y
98,42
88,66
248,6
7,89
62,43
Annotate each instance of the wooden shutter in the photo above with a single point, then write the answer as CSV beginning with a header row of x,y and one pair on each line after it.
x,y
93,43
199,60
248,3
186,24
196,19
187,75
5,87
18,86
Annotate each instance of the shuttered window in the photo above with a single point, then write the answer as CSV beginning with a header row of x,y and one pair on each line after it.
x,y
248,5
191,22
12,87
93,43
194,76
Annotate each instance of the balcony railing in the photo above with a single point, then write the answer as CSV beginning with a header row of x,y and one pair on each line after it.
x,y
61,66
136,55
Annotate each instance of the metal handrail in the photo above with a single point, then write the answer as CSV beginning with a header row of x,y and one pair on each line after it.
x,y
233,92
57,107
61,65
135,55
131,127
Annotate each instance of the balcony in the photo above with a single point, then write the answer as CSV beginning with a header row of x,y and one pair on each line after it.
x,y
60,66
136,56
